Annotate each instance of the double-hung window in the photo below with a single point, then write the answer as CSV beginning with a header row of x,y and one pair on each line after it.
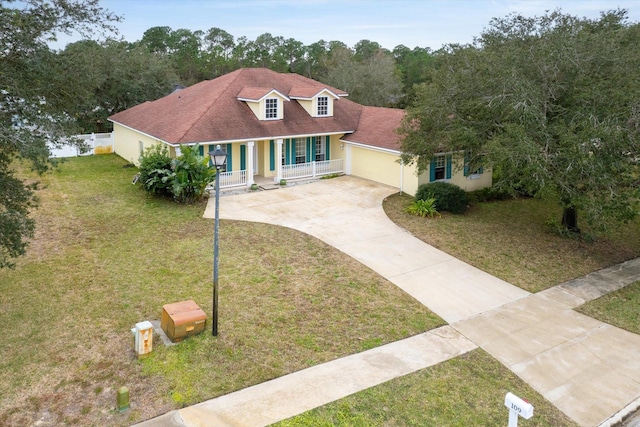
x,y
301,150
323,106
319,149
440,167
271,108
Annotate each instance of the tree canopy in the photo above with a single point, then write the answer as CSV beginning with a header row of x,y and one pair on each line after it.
x,y
31,112
551,103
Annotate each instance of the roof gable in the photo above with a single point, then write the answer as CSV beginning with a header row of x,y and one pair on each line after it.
x,y
257,94
310,92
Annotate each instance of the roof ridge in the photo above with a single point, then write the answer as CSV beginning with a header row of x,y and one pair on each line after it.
x,y
212,102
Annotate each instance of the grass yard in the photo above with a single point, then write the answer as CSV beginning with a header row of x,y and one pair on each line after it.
x,y
468,390
509,239
107,256
620,308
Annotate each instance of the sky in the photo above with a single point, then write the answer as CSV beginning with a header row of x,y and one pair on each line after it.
x,y
423,23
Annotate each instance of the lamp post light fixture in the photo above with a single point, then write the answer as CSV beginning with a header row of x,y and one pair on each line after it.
x,y
219,158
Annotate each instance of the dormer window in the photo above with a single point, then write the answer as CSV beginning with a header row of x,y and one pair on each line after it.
x,y
323,106
271,108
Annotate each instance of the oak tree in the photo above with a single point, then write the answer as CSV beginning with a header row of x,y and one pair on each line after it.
x,y
551,103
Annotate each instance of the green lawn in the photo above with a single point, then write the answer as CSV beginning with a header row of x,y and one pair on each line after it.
x,y
466,391
106,256
510,240
620,308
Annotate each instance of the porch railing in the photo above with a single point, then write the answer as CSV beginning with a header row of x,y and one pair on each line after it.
x,y
312,169
301,170
233,179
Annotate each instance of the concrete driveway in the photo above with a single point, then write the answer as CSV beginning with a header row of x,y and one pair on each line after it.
x,y
346,212
588,369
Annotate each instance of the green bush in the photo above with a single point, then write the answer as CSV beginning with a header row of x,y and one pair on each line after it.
x,y
448,197
184,178
155,173
191,175
423,208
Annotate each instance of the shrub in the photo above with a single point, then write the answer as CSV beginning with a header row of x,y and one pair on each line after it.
x,y
448,197
487,194
185,178
423,208
155,173
191,175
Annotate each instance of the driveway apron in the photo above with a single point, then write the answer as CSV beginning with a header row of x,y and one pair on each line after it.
x,y
588,369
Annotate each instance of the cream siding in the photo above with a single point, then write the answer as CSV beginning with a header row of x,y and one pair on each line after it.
x,y
311,105
259,108
375,165
467,183
127,143
307,104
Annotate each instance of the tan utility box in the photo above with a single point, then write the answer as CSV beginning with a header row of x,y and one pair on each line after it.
x,y
182,319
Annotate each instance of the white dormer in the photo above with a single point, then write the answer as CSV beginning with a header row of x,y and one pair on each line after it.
x,y
266,103
318,103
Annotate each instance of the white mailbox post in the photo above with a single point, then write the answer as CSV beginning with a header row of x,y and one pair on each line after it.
x,y
517,407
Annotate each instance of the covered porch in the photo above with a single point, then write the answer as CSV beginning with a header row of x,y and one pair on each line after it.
x,y
300,158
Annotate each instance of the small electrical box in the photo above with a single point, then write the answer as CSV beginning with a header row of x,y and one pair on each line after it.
x,y
143,338
182,319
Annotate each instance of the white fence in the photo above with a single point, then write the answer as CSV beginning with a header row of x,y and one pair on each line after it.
x,y
233,179
97,143
312,169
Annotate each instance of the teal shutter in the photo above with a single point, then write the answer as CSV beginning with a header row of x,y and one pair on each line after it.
x,y
243,157
448,171
309,158
466,163
229,149
432,170
272,155
328,148
201,150
287,152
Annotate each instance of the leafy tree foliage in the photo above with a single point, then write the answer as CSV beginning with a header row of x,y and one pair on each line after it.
x,y
372,80
32,113
551,103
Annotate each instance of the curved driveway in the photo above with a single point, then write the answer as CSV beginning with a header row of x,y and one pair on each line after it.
x,y
346,212
590,370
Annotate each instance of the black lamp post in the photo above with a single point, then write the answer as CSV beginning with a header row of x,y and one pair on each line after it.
x,y
219,158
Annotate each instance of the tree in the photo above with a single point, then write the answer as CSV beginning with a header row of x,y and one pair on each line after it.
x,y
551,103
372,81
414,66
218,46
29,117
102,79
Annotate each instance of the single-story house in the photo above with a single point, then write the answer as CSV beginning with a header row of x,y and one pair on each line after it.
x,y
282,126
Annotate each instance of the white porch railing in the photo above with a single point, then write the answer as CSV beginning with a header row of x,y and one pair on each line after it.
x,y
233,179
312,169
302,170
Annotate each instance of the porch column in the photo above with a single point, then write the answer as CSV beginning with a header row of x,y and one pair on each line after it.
x,y
250,163
278,160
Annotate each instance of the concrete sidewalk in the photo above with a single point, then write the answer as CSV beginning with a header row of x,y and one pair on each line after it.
x,y
588,369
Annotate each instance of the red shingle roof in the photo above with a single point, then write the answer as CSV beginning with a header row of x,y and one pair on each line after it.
x,y
377,127
210,111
